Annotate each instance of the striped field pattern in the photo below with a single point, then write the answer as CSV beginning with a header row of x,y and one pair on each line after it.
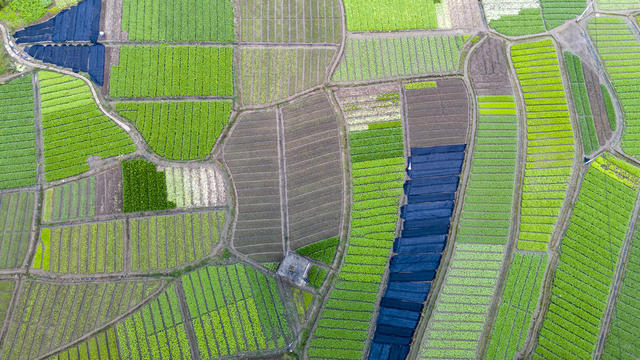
x,y
619,50
459,316
486,214
377,173
589,255
624,330
550,143
519,301
17,134
374,57
16,217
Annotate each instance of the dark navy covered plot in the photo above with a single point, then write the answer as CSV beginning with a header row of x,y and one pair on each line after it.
x,y
80,58
434,174
78,23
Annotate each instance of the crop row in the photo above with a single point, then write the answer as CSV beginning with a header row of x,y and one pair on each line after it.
x,y
550,144
486,213
619,50
82,249
463,302
324,250
6,292
518,303
373,58
195,187
16,217
290,21
588,259
74,128
102,346
363,107
156,71
74,199
17,134
582,103
523,17
189,20
377,173
389,15
271,74
621,341
235,309
143,187
164,242
39,329
156,330
179,130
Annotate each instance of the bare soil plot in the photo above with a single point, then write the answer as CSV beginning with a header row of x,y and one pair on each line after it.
x,y
366,105
251,152
465,14
488,73
313,170
55,314
290,21
109,191
439,115
111,21
598,108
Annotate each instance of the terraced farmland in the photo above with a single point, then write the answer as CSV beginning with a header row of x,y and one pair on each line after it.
x,y
550,143
17,124
179,130
373,57
589,252
319,179
74,128
157,71
377,164
618,48
194,20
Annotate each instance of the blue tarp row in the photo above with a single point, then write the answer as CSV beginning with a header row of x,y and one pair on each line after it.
x,y
438,149
434,177
78,23
387,351
81,58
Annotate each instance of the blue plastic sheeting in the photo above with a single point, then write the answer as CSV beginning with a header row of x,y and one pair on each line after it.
x,y
434,174
80,58
78,23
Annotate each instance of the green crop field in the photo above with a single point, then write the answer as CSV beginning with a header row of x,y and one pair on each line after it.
x,y
619,51
164,71
550,144
519,301
179,130
386,15
41,330
486,214
82,249
589,252
74,128
164,242
319,179
189,20
624,331
373,57
16,217
458,318
581,101
324,250
378,172
234,309
17,134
